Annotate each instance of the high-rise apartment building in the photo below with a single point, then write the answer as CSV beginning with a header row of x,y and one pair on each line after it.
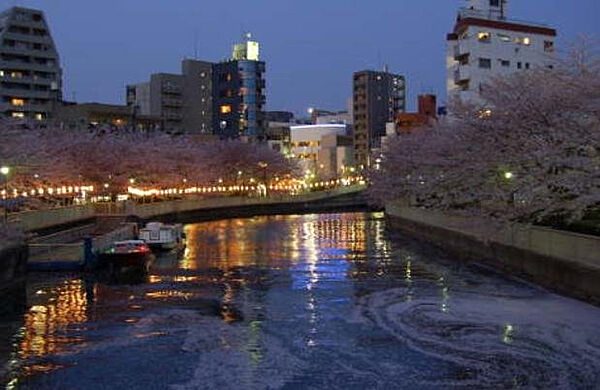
x,y
182,101
225,98
377,97
485,43
30,73
239,93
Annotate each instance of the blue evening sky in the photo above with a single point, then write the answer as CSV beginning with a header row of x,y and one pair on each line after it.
x,y
311,47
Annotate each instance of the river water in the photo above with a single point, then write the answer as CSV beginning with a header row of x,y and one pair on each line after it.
x,y
331,301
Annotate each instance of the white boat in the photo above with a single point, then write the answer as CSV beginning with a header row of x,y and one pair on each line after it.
x,y
161,236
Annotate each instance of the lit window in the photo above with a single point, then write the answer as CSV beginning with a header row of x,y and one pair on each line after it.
x,y
484,36
17,102
504,38
548,46
39,116
527,41
226,109
1,73
202,74
18,115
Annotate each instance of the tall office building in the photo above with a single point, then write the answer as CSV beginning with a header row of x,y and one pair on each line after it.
x,y
377,97
239,93
486,43
182,101
30,73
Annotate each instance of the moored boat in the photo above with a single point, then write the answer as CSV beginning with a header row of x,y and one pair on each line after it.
x,y
162,236
131,253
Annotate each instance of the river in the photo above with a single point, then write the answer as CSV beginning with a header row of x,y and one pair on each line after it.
x,y
328,301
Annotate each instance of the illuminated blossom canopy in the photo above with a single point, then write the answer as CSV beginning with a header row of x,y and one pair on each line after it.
x,y
54,157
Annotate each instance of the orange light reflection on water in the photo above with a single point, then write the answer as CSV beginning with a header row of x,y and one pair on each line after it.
x,y
67,305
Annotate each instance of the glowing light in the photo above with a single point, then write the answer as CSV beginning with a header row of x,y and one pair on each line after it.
x,y
5,170
508,175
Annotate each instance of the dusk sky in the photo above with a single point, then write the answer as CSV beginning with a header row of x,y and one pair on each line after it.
x,y
311,47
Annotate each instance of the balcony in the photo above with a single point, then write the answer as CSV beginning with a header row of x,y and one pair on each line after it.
x,y
462,75
173,116
172,103
172,89
28,37
20,65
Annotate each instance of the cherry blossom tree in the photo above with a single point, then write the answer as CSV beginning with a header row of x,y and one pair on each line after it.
x,y
54,157
529,149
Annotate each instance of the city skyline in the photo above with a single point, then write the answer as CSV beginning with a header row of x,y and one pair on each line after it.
x,y
309,61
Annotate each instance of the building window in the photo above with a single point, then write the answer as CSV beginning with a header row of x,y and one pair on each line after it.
x,y
17,102
505,63
504,37
523,41
18,115
527,65
485,63
39,116
484,36
226,109
495,3
519,65
202,74
548,46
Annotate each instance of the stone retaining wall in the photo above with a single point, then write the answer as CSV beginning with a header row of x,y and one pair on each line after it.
x,y
565,262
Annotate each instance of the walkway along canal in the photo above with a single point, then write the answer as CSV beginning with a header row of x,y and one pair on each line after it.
x,y
334,301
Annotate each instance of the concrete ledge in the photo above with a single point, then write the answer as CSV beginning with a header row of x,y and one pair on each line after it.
x,y
564,262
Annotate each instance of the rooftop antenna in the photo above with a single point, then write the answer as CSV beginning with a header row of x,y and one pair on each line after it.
x,y
385,68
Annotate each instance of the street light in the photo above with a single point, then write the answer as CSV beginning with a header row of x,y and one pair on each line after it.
x,y
508,175
5,171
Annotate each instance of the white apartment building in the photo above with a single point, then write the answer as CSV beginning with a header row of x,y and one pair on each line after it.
x,y
306,141
485,43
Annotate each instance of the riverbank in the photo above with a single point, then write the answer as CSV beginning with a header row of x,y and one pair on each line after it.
x,y
565,262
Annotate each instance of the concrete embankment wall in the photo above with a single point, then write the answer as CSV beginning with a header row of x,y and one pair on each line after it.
x,y
43,219
568,263
59,218
191,209
13,265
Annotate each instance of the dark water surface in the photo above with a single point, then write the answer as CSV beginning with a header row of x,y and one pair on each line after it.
x,y
299,302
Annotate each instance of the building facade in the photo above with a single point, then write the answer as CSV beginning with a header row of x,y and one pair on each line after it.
x,y
182,101
102,116
377,98
30,73
485,43
306,142
239,94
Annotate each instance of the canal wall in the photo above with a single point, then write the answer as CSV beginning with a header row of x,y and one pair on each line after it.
x,y
50,221
565,262
344,198
13,265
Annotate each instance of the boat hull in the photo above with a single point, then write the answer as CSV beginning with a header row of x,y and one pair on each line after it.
x,y
126,260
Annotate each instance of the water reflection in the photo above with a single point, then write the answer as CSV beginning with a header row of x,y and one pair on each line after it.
x,y
314,301
52,311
